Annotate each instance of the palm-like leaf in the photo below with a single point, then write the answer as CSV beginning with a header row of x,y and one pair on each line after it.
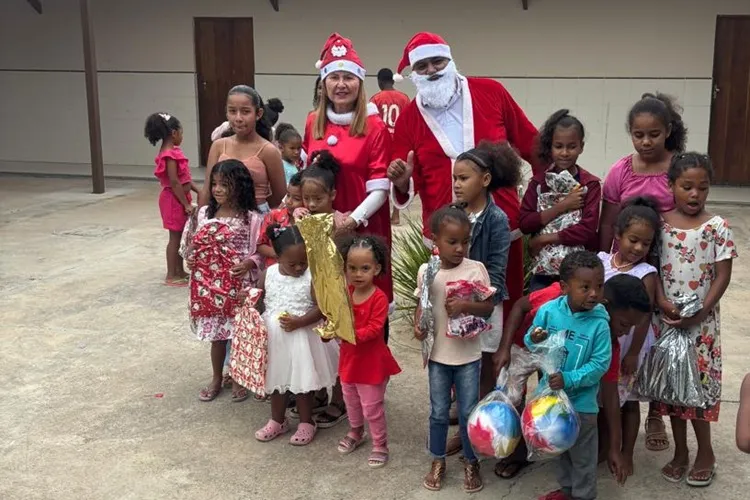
x,y
409,253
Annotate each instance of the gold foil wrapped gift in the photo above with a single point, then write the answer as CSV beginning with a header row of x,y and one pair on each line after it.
x,y
329,283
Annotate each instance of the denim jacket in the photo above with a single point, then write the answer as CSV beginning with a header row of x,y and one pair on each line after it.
x,y
490,243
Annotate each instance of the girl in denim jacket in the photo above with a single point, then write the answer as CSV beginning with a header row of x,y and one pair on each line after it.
x,y
476,174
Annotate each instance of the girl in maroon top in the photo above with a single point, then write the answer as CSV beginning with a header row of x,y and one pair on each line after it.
x,y
560,144
365,367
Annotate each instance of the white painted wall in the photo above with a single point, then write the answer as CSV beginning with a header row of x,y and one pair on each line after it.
x,y
592,56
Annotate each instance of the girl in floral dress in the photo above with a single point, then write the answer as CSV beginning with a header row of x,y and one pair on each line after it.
x,y
222,255
695,257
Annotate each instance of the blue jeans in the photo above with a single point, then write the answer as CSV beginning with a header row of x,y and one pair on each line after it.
x,y
442,378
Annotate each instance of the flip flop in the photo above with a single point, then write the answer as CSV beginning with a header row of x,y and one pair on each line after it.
x,y
677,472
702,483
207,394
517,465
240,396
178,283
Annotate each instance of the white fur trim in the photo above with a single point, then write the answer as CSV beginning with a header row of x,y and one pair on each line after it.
x,y
347,118
405,205
343,65
332,140
318,64
377,184
398,78
429,50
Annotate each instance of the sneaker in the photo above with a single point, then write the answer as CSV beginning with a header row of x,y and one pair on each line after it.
x,y
555,495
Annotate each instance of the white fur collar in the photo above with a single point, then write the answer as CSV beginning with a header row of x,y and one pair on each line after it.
x,y
346,118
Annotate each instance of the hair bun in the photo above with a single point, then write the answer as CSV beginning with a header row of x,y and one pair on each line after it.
x,y
648,95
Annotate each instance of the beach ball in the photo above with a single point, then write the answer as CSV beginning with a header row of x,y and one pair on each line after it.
x,y
549,425
494,429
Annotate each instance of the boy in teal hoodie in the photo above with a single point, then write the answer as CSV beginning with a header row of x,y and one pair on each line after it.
x,y
580,314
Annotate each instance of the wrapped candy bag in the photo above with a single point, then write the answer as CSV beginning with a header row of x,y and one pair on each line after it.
x,y
427,315
560,186
670,373
549,423
329,283
249,355
467,326
494,426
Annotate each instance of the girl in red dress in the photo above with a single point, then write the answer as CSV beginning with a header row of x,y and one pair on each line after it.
x,y
173,173
365,367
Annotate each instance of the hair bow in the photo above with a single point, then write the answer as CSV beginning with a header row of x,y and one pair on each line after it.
x,y
278,231
165,116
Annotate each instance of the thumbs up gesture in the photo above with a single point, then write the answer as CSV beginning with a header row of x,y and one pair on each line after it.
x,y
399,172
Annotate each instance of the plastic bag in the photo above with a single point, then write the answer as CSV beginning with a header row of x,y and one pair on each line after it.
x,y
560,186
494,426
467,326
427,314
549,423
670,374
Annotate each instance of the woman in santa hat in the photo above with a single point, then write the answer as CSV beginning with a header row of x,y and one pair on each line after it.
x,y
351,129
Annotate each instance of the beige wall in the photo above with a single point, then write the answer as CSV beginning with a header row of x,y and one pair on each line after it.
x,y
593,56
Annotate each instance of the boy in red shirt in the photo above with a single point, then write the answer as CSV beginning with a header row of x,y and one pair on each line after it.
x,y
390,102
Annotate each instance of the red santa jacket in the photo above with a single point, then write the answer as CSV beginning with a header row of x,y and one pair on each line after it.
x,y
489,113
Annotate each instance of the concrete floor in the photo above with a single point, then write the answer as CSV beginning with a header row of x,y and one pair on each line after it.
x,y
99,377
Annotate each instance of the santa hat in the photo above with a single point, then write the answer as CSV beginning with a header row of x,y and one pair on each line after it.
x,y
339,55
422,46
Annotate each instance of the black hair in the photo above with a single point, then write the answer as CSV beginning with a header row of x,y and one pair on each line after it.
x,y
159,126
282,237
685,161
273,108
499,159
669,112
624,292
323,168
263,126
578,260
286,132
385,77
640,208
316,97
296,180
560,118
452,212
241,186
366,241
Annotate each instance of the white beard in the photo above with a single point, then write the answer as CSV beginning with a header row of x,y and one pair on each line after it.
x,y
437,93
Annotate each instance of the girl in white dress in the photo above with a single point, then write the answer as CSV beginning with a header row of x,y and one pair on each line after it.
x,y
299,362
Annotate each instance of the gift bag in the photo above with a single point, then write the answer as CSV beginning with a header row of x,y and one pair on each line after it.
x,y
549,423
427,314
329,283
467,326
670,373
560,185
494,426
249,354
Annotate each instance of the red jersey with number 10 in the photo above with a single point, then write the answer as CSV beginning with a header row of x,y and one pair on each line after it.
x,y
390,103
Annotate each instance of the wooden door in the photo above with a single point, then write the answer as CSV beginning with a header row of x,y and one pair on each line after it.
x,y
729,135
224,57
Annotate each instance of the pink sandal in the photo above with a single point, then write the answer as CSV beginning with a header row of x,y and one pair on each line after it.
x,y
271,430
304,435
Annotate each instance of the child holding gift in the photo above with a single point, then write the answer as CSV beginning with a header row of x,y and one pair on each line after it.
x,y
587,341
453,361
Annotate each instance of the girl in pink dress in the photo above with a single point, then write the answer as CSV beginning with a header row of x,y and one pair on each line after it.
x,y
173,173
658,133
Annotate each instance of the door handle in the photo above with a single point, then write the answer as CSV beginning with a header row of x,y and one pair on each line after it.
x,y
715,91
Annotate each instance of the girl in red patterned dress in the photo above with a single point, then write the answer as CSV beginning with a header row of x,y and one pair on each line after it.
x,y
176,183
224,262
366,367
696,250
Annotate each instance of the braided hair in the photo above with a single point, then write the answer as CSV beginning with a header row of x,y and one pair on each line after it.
x,y
366,241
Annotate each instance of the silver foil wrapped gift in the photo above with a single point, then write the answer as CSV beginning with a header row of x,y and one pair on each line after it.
x,y
560,186
670,374
427,316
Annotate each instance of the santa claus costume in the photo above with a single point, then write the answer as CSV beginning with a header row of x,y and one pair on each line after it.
x,y
361,184
478,109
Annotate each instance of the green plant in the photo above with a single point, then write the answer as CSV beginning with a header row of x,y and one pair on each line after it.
x,y
409,253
